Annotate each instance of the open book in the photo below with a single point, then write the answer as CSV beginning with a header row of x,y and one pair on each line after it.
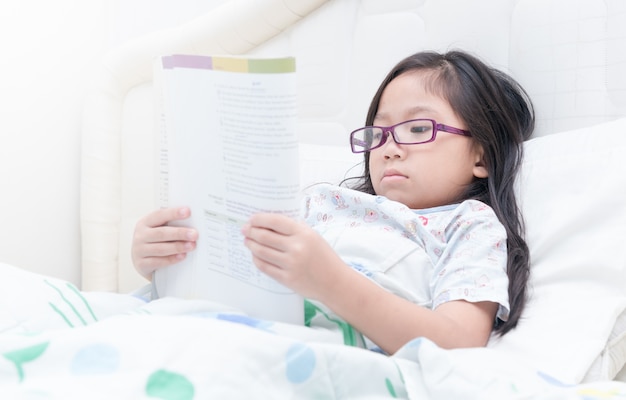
x,y
227,148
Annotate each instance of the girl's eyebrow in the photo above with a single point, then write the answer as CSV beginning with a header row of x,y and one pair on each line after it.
x,y
412,111
421,109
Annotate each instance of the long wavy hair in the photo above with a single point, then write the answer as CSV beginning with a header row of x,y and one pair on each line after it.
x,y
500,116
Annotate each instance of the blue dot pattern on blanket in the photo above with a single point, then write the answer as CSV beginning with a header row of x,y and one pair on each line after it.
x,y
300,363
245,320
95,359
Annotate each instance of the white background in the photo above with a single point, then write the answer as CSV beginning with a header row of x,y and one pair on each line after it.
x,y
47,49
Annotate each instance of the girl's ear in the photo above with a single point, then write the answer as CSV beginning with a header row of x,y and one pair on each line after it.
x,y
480,170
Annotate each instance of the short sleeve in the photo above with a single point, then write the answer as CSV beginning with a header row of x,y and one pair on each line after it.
x,y
472,258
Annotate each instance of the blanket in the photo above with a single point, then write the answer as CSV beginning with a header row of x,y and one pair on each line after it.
x,y
57,342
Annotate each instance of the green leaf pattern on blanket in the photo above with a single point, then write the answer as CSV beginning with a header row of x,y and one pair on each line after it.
x,y
27,354
168,385
65,301
351,337
390,388
301,359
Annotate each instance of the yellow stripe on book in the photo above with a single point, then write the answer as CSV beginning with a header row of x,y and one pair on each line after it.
x,y
230,64
255,65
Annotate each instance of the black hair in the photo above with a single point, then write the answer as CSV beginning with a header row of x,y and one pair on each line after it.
x,y
500,117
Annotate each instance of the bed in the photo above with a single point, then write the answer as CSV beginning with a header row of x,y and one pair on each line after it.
x,y
61,341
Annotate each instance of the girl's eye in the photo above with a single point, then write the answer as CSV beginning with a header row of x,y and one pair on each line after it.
x,y
420,129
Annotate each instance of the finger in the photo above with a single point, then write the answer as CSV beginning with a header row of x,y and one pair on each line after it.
x,y
169,234
164,215
165,249
278,223
265,253
146,266
265,237
267,268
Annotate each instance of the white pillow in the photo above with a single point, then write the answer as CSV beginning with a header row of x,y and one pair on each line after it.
x,y
328,163
572,192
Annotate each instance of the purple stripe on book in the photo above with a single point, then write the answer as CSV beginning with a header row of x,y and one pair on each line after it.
x,y
187,61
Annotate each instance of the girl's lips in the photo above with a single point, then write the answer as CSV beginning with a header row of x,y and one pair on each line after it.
x,y
393,175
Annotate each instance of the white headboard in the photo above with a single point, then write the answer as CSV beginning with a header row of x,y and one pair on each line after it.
x,y
569,54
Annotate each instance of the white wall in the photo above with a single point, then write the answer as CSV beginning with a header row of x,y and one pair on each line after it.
x,y
47,49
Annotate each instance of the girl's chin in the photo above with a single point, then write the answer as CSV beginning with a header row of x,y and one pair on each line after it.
x,y
395,195
392,187
399,195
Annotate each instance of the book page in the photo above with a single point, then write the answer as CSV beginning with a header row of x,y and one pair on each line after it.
x,y
228,149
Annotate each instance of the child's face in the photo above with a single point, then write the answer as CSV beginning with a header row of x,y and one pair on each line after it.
x,y
422,175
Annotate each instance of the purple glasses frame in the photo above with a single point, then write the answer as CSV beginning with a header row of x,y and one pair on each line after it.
x,y
391,130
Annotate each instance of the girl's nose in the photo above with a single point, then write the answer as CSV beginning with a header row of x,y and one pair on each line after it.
x,y
391,149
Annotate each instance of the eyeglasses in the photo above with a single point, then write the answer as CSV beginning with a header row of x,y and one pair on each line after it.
x,y
413,131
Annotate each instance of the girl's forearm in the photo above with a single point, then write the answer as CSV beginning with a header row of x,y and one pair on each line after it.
x,y
391,321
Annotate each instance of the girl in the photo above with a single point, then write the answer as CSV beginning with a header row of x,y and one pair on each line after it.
x,y
428,242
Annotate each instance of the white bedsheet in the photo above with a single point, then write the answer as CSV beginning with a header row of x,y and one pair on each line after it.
x,y
57,342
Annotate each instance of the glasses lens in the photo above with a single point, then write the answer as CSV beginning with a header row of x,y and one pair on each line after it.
x,y
366,138
415,131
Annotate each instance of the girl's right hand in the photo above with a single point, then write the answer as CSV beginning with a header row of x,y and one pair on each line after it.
x,y
156,245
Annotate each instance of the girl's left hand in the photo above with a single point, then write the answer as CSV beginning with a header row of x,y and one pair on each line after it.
x,y
292,253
